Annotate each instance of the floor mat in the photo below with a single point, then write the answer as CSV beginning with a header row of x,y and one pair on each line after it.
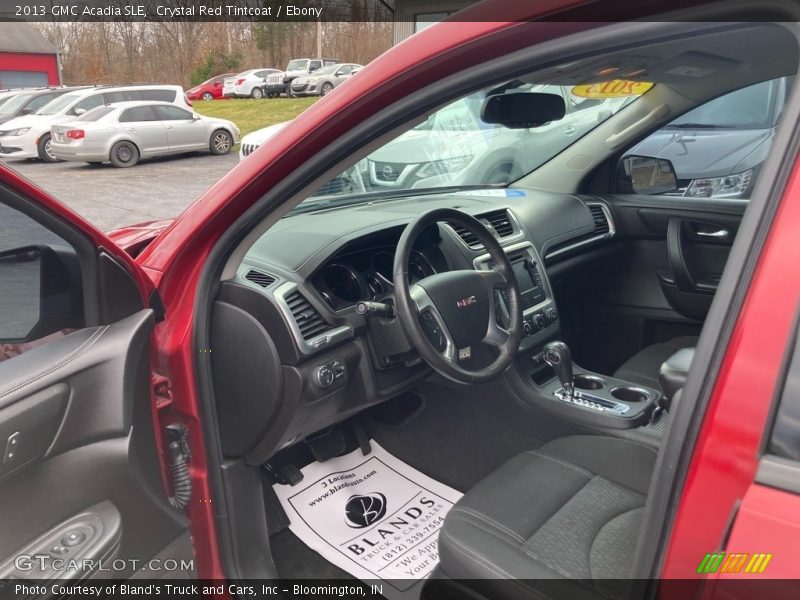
x,y
372,516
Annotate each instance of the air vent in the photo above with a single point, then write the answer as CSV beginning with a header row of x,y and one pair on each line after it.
x,y
498,220
308,320
259,278
601,226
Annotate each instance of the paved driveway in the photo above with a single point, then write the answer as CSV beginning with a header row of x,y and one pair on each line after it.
x,y
111,197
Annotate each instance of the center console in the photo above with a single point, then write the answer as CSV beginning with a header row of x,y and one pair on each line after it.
x,y
539,314
552,382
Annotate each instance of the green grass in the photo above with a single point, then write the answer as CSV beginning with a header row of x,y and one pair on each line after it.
x,y
249,115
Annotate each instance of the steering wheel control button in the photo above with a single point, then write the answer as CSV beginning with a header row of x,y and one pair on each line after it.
x,y
324,376
73,538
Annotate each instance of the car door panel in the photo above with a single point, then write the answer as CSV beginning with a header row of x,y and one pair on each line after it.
x,y
186,135
80,409
661,280
78,444
149,136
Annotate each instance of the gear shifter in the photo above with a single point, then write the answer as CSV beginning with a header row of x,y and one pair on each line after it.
x,y
557,355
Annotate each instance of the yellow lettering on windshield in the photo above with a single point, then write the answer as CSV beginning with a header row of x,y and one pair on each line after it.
x,y
616,88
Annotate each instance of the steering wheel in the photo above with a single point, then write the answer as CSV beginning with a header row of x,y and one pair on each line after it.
x,y
446,314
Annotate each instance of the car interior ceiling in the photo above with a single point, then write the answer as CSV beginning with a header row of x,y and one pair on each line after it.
x,y
612,294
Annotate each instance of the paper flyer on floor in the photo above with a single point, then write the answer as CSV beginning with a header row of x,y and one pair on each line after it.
x,y
372,516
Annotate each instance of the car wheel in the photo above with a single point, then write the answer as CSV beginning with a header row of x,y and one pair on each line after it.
x,y
124,154
44,149
208,96
221,142
257,93
326,88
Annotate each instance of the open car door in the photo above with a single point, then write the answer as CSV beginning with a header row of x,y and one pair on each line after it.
x,y
82,492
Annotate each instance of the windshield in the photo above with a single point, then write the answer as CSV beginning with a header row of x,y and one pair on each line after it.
x,y
10,107
330,70
752,107
455,148
297,65
57,105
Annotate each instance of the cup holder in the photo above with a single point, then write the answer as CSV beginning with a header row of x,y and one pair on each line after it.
x,y
588,382
630,394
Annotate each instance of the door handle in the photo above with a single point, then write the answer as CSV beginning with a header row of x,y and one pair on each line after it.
x,y
570,130
130,129
677,262
719,234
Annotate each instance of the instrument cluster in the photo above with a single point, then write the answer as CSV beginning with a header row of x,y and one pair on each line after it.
x,y
365,275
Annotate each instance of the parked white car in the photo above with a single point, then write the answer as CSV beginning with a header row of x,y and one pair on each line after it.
x,y
125,133
247,84
29,136
253,140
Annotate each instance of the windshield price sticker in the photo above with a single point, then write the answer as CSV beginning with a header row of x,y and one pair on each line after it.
x,y
616,88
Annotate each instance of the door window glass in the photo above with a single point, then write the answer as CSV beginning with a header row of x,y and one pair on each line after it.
x,y
717,148
138,114
173,113
88,103
159,95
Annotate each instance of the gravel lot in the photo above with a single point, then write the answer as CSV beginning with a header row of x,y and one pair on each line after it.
x,y
111,198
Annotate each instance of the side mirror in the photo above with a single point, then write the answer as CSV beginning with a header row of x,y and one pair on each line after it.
x,y
646,175
37,272
195,117
217,83
78,111
26,111
522,110
603,114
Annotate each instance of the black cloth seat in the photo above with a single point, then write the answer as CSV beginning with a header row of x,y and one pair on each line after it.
x,y
569,510
643,367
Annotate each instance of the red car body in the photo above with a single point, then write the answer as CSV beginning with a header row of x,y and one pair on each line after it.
x,y
721,483
210,89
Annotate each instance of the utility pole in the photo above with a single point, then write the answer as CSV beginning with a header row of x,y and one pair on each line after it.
x,y
319,38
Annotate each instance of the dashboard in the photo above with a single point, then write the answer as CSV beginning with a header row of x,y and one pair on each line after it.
x,y
311,360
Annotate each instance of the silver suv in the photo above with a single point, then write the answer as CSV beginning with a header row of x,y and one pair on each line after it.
x,y
280,83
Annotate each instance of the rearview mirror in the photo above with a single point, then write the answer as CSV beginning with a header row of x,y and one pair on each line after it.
x,y
521,110
647,175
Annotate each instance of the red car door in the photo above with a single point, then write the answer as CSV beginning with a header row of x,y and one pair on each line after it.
x,y
738,514
81,487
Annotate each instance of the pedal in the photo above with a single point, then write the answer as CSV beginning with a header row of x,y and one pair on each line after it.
x,y
285,474
328,445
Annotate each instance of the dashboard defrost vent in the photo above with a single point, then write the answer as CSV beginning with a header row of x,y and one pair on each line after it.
x,y
498,220
601,225
260,278
308,320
